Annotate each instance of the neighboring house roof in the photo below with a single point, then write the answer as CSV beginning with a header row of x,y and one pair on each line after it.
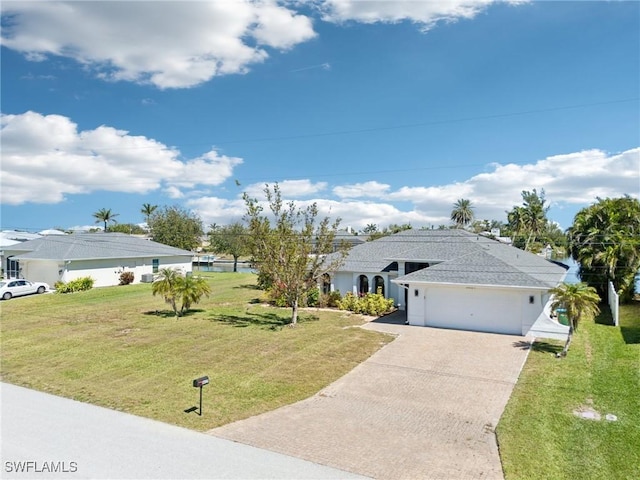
x,y
17,236
457,257
89,246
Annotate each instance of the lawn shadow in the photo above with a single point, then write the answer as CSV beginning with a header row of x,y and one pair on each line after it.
x,y
604,317
171,313
630,335
268,320
248,286
538,346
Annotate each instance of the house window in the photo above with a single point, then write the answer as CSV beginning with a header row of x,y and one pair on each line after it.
x,y
156,264
378,284
363,285
416,292
532,299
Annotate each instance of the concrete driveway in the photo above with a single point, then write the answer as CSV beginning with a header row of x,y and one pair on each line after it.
x,y
424,406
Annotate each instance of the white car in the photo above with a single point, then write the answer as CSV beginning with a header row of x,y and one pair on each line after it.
x,y
16,288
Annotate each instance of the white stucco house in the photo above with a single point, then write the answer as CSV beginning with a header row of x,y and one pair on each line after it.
x,y
102,256
456,279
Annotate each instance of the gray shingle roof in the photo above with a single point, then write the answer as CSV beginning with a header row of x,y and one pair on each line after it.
x,y
461,258
88,246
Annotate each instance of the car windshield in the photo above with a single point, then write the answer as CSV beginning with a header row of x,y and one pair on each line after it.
x,y
2,284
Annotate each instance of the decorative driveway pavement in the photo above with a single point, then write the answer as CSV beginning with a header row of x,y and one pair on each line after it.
x,y
424,406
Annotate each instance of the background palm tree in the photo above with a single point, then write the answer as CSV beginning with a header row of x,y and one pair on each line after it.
x,y
105,215
462,213
147,210
581,303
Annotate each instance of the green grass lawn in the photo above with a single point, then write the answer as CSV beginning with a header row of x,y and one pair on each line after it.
x,y
121,348
539,435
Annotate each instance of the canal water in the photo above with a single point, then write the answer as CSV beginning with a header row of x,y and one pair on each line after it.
x,y
223,267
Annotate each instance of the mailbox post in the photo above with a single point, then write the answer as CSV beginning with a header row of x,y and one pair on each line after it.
x,y
200,382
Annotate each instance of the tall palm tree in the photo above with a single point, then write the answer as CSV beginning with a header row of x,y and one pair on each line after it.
x,y
165,285
105,215
581,303
462,213
147,211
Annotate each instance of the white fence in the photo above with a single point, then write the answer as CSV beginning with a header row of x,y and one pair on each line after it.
x,y
613,303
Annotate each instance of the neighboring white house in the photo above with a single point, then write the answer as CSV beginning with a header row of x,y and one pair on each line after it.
x,y
102,256
456,279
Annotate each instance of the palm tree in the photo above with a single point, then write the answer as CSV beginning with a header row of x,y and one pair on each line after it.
x,y
147,210
581,303
191,290
462,213
165,285
105,215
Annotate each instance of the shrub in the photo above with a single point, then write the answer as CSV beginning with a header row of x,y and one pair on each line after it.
x,y
126,278
370,304
77,285
329,300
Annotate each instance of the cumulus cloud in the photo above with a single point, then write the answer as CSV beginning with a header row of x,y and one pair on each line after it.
x,y
568,180
162,43
288,188
424,13
45,157
571,181
360,190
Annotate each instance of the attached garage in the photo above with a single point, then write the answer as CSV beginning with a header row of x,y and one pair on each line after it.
x,y
482,309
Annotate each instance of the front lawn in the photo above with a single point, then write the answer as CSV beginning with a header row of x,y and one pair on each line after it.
x,y
121,348
539,435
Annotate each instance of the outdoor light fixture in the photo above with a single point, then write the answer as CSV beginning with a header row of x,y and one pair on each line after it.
x,y
198,383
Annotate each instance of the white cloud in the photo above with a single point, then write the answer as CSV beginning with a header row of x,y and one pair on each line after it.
x,y
167,44
46,157
358,190
425,13
288,188
571,181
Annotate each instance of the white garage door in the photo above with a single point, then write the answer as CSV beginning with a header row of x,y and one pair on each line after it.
x,y
477,309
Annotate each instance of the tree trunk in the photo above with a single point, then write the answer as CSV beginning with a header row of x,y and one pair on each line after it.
x,y
294,313
235,263
564,351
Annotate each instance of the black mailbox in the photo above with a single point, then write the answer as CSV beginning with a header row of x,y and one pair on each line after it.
x,y
200,382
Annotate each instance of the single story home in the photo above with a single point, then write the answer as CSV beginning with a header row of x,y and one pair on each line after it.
x,y
456,279
102,256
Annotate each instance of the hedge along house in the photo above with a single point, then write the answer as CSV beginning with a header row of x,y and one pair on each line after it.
x,y
456,279
102,256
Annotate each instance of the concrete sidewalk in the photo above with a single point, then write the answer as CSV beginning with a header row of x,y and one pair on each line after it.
x,y
42,432
425,406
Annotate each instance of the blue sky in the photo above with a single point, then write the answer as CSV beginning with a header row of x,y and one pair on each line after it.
x,y
380,112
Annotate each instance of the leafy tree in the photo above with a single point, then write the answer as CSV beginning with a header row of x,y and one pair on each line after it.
x,y
581,303
390,230
605,240
230,239
462,213
147,210
130,228
176,227
528,222
105,215
174,288
291,252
